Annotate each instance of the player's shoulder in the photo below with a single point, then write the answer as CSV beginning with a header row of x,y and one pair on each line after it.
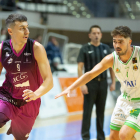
x,y
84,46
37,47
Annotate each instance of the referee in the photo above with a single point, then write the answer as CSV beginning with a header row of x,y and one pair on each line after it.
x,y
95,92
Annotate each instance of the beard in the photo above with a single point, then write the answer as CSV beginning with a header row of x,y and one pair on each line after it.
x,y
121,53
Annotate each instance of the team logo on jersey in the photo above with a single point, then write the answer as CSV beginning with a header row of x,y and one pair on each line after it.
x,y
134,60
117,70
27,54
7,54
135,67
10,61
105,51
90,51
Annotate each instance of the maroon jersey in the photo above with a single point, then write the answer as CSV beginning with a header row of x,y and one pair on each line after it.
x,y
21,69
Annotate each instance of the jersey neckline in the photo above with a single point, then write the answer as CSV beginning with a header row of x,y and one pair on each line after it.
x,y
17,54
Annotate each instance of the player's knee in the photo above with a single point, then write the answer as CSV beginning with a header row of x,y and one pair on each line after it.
x,y
123,136
3,119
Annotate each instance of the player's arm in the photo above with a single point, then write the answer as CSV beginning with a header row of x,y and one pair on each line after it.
x,y
1,67
45,71
112,86
106,63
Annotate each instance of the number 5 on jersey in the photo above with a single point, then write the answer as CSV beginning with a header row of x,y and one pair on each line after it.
x,y
18,67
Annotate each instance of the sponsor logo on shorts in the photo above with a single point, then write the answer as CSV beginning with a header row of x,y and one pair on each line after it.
x,y
135,113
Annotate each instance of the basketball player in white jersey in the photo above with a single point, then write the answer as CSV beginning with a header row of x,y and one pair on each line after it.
x,y
125,61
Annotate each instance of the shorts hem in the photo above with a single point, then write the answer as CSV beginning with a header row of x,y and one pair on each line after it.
x,y
132,125
115,127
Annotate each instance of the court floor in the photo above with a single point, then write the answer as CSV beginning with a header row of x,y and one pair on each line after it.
x,y
62,128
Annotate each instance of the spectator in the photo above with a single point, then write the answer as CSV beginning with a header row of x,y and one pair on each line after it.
x,y
38,38
53,50
3,35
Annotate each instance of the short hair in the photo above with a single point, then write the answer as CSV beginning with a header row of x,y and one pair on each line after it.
x,y
122,31
15,17
94,26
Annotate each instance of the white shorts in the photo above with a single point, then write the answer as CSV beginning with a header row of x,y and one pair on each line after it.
x,y
126,113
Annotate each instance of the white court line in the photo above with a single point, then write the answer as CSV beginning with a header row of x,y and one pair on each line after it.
x,y
96,139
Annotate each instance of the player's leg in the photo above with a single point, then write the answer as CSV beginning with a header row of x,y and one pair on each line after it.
x,y
114,135
4,113
22,124
118,118
127,133
89,100
100,107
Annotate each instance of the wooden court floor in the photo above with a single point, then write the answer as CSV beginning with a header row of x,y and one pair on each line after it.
x,y
62,128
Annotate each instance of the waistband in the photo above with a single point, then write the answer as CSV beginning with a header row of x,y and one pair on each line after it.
x,y
7,97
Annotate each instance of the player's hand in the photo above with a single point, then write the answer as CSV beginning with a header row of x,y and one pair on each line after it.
x,y
112,87
29,95
84,89
65,92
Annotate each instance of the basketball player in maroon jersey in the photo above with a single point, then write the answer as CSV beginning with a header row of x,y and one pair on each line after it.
x,y
28,77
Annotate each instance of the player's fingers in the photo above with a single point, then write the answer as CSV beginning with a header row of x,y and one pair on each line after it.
x,y
27,93
57,96
26,90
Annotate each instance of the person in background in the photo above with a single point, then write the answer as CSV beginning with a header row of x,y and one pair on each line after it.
x,y
38,38
95,92
53,50
3,35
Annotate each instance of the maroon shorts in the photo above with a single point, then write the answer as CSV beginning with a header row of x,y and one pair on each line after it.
x,y
22,119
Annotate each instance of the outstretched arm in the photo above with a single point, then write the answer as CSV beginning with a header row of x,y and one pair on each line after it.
x,y
106,63
44,68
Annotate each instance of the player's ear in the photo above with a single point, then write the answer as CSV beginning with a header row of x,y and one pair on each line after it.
x,y
130,41
89,35
10,31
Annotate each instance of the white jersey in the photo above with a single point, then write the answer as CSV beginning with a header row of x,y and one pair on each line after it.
x,y
129,74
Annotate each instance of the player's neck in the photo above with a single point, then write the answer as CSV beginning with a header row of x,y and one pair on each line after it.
x,y
96,44
17,46
125,58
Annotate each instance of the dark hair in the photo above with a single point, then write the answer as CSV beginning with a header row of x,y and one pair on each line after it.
x,y
122,31
94,26
15,17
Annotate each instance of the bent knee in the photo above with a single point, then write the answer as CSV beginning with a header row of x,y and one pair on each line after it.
x,y
3,119
123,136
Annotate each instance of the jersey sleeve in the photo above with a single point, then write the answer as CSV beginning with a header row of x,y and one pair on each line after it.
x,y
80,57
